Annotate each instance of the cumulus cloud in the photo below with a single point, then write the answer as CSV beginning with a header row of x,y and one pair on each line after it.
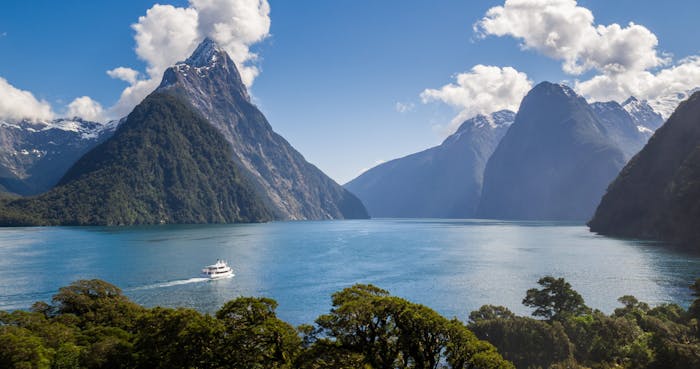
x,y
235,25
563,30
165,35
125,74
484,89
664,88
86,108
16,104
625,59
168,34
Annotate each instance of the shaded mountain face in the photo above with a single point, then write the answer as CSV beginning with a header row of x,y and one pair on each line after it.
x,y
35,155
290,186
621,127
657,195
165,164
441,182
554,163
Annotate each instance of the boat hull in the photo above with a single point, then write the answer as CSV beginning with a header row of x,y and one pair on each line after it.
x,y
228,274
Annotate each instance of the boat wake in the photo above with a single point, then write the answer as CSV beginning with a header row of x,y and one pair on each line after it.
x,y
170,283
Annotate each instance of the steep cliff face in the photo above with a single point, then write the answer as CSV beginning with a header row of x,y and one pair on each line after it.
x,y
554,163
165,164
290,186
35,155
657,195
441,182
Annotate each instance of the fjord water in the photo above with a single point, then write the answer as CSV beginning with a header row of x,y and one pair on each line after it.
x,y
453,266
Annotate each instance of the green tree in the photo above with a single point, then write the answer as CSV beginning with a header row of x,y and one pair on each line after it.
x,y
327,354
695,306
20,349
170,338
96,302
390,332
253,336
361,321
106,347
556,300
465,351
605,339
527,342
67,357
490,312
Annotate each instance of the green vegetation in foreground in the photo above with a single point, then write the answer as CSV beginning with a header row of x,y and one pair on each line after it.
x,y
90,324
571,335
165,164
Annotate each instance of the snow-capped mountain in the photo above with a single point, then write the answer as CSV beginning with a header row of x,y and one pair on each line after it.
x,y
35,154
441,182
644,116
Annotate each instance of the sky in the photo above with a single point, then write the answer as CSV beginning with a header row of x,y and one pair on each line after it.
x,y
349,83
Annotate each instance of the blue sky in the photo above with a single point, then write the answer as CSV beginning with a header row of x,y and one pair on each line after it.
x,y
332,72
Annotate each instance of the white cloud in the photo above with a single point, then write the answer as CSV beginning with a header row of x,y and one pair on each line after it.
x,y
235,25
484,89
125,74
664,88
164,36
626,59
404,107
16,104
86,108
565,31
168,34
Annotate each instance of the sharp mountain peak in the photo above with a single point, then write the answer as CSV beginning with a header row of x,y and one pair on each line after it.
x,y
206,54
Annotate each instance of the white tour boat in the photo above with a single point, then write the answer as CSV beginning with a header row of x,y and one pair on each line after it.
x,y
218,270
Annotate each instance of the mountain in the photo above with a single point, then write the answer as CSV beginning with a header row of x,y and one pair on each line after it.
x,y
35,155
554,162
643,115
164,164
440,182
289,185
622,127
657,195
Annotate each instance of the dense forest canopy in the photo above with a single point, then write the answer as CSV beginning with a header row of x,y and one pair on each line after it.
x,y
91,324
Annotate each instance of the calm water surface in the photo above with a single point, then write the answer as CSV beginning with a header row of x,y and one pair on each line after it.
x,y
451,266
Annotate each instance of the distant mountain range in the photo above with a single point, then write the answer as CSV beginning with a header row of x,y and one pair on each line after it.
x,y
551,160
657,194
557,134
441,182
35,155
195,151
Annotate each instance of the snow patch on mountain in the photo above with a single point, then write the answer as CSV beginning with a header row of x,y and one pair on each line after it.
x,y
643,114
86,129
